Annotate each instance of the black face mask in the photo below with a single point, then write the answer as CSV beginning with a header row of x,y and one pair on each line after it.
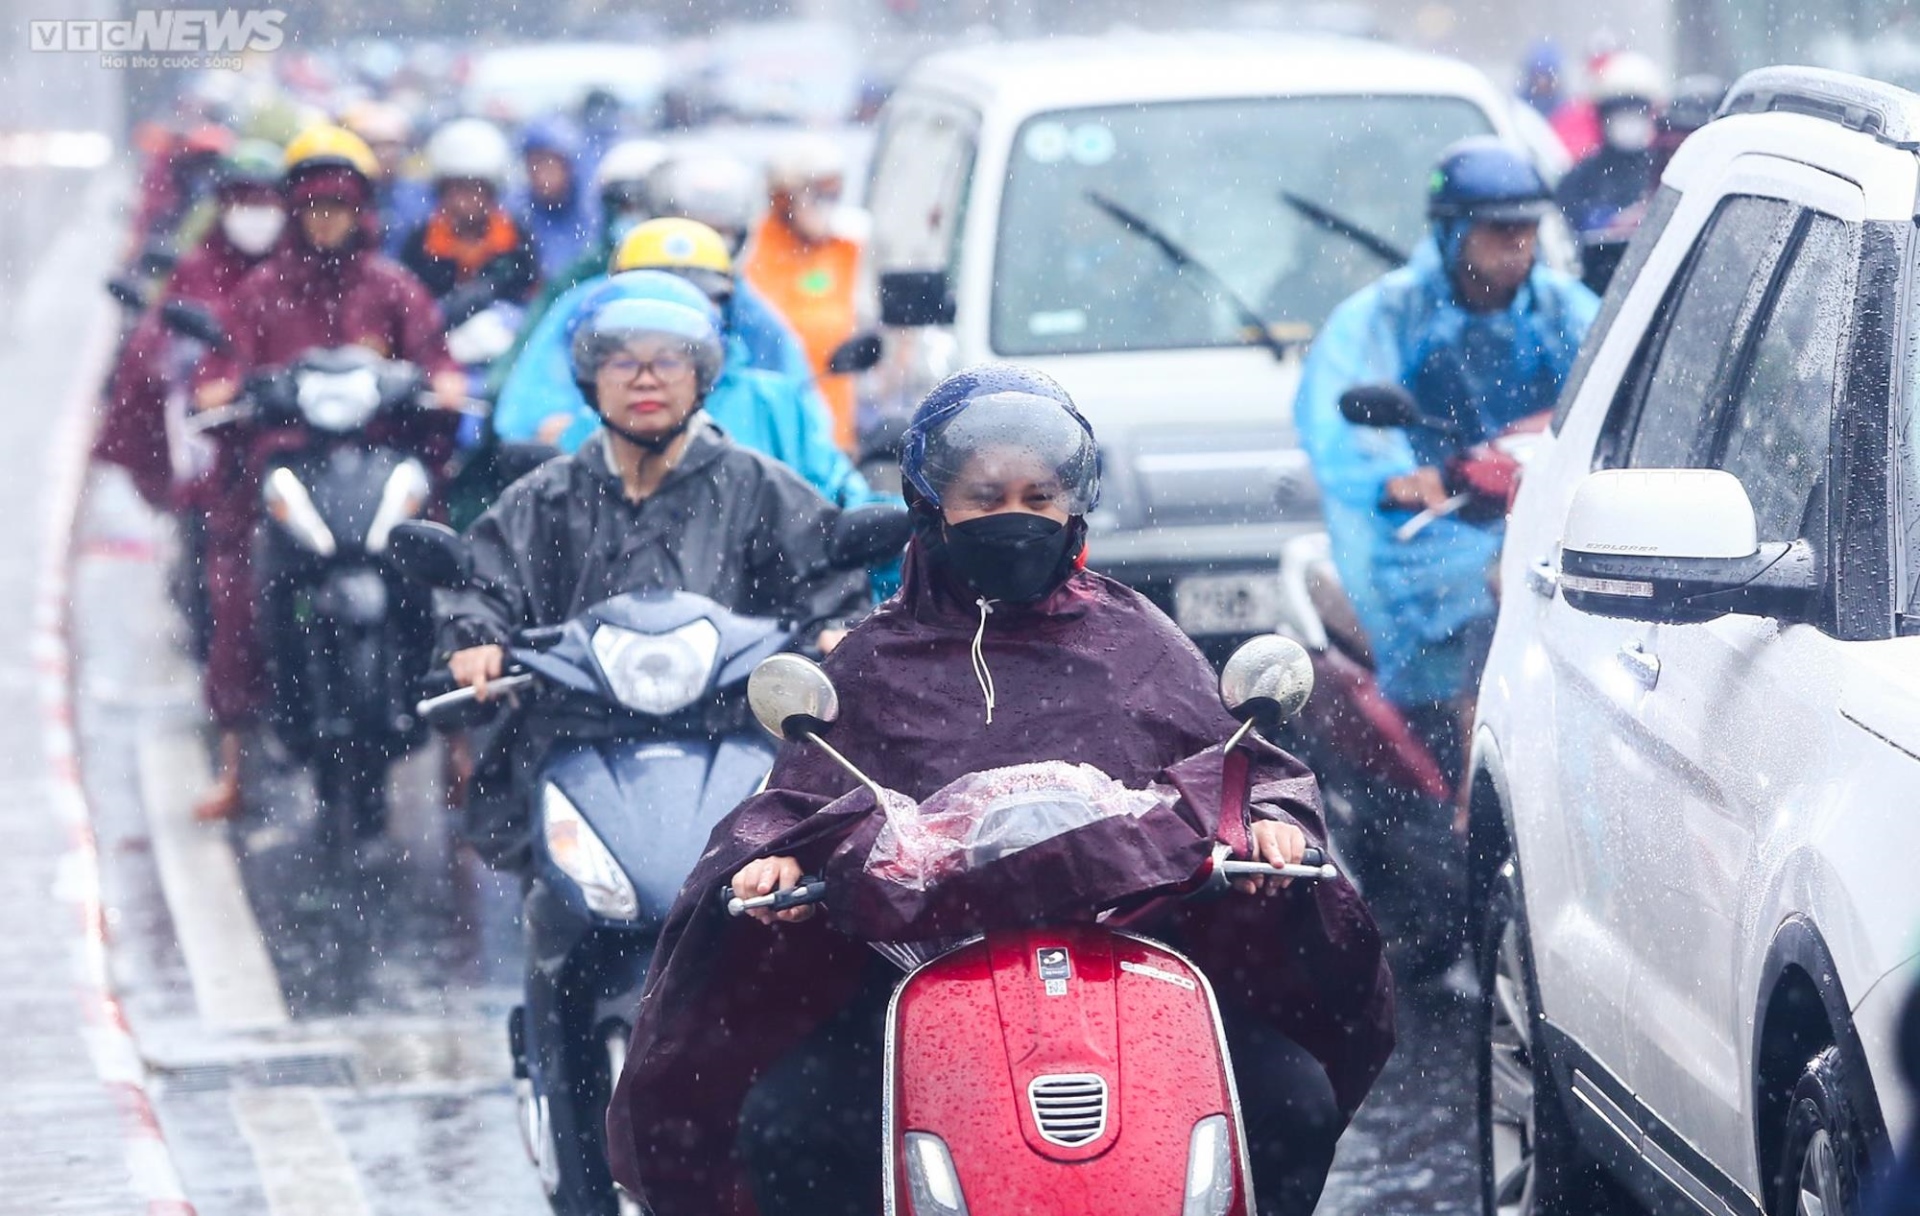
x,y
1013,557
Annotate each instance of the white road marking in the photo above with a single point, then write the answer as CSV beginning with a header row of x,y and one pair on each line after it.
x,y
234,984
304,1165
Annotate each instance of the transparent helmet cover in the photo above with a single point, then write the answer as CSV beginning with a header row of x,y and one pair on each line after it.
x,y
1010,436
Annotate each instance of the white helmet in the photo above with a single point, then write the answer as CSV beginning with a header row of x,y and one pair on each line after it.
x,y
470,148
1629,76
718,190
805,158
629,161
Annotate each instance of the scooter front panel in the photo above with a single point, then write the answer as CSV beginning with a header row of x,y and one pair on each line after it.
x,y
1063,1068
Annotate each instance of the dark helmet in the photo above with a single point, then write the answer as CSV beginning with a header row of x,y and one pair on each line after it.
x,y
1000,407
1484,179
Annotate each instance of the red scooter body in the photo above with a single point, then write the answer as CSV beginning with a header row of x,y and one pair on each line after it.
x,y
1065,1071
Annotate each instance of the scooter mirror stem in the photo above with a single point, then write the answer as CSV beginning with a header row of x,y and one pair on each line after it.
x,y
873,786
1240,734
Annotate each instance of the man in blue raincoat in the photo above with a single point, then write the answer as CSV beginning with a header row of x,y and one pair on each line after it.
x,y
1482,336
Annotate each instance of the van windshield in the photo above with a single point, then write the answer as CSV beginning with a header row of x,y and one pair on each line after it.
x,y
1214,178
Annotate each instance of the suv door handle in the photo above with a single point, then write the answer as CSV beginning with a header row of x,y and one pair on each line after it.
x,y
1543,578
1641,665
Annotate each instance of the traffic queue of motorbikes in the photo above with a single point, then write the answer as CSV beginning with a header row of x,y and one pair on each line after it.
x,y
1050,1026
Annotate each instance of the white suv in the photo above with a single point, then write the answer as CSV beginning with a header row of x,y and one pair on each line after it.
x,y
1696,772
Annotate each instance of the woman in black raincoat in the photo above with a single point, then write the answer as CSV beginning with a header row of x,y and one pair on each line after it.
x,y
753,1079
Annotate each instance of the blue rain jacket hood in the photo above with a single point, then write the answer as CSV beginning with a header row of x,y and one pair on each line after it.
x,y
1484,371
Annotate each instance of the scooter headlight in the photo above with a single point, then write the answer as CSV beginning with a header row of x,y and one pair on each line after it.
x,y
1209,1169
583,857
657,673
292,508
339,401
932,1183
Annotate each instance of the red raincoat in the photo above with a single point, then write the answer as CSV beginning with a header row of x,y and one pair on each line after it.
x,y
291,303
1094,674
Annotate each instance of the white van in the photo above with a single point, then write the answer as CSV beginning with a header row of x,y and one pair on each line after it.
x,y
1078,205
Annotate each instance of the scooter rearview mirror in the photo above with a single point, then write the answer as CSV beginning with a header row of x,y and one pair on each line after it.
x,y
1388,405
865,535
195,321
1268,678
792,697
431,553
857,354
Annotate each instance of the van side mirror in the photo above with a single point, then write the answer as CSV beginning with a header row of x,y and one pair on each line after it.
x,y
1678,546
1269,679
857,354
431,553
910,298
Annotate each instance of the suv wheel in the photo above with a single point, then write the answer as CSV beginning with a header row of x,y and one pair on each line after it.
x,y
1823,1156
1529,1164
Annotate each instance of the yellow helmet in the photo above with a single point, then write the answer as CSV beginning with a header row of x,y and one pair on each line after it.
x,y
673,244
328,146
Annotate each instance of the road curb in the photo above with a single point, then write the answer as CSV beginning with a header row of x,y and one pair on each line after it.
x,y
116,1057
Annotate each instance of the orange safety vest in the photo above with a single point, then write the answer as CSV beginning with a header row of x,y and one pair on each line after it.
x,y
813,287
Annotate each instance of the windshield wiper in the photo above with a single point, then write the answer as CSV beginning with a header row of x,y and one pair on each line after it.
x,y
1182,259
1375,244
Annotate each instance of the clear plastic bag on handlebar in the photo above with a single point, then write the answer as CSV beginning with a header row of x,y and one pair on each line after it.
x,y
986,816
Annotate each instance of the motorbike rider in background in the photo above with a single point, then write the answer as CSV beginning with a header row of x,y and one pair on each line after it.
x,y
470,234
1603,195
807,265
325,285
402,200
1481,335
658,498
723,193
1001,649
249,220
766,411
554,203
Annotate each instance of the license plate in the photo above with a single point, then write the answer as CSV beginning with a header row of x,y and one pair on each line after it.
x,y
1227,603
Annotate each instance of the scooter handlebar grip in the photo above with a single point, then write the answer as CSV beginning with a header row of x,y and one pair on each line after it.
x,y
1313,857
810,891
461,696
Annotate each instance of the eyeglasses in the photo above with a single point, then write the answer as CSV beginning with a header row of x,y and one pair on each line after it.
x,y
668,368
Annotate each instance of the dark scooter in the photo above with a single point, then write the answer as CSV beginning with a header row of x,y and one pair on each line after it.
x,y
346,637
640,702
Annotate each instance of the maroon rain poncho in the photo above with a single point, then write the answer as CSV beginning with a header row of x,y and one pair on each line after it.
x,y
294,301
133,434
1093,674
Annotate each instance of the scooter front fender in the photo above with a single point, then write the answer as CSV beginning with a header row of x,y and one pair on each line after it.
x,y
1065,1070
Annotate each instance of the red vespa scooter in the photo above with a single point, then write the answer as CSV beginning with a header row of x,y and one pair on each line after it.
x,y
1057,1070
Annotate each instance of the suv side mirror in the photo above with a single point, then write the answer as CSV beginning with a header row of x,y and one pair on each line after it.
x,y
910,298
1677,546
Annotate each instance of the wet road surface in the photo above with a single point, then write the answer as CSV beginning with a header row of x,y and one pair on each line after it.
x,y
331,1040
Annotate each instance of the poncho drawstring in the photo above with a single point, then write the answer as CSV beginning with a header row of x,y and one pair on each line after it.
x,y
980,671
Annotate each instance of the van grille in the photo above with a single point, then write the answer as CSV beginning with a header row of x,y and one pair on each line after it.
x,y
1070,1109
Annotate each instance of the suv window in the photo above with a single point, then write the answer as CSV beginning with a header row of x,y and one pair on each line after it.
x,y
1632,262
1702,327
1779,430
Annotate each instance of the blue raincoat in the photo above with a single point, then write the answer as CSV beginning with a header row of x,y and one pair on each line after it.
x,y
1485,371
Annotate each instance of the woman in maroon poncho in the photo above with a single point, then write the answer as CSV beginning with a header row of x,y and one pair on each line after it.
x,y
753,1078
